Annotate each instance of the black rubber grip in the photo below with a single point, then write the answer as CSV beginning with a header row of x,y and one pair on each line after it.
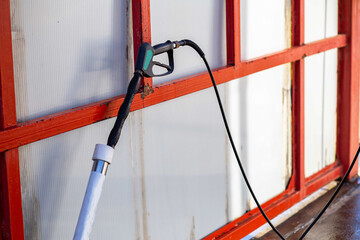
x,y
163,47
124,110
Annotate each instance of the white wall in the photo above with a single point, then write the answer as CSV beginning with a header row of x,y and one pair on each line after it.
x,y
320,87
201,21
166,175
67,54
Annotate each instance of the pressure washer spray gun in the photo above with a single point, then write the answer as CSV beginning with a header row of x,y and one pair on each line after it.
x,y
103,153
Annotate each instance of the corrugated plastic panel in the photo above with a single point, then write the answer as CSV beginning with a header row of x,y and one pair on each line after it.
x,y
320,110
67,54
265,27
174,175
168,172
260,110
321,19
320,87
263,105
202,21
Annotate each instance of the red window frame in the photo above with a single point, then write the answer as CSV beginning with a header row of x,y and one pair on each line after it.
x,y
14,134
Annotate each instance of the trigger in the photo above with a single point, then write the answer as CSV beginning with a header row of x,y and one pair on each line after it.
x,y
162,65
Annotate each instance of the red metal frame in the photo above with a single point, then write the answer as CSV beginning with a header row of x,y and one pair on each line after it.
x,y
13,134
50,125
348,85
233,48
141,33
11,217
298,101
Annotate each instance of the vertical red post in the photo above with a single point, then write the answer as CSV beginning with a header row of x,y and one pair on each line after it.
x,y
10,189
348,85
233,47
141,29
298,101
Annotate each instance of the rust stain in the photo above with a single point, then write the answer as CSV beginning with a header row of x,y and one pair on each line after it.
x,y
250,205
30,202
192,231
134,176
147,90
133,151
227,160
18,42
288,23
31,206
287,104
142,180
129,44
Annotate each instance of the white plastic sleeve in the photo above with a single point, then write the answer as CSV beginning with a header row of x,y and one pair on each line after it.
x,y
103,152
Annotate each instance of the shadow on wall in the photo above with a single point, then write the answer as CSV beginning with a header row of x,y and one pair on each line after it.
x,y
100,63
46,163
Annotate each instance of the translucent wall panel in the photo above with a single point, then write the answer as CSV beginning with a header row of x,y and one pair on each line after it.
x,y
168,177
67,53
265,27
202,21
320,110
321,19
259,107
174,175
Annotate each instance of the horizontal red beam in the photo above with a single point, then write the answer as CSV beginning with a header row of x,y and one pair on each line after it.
x,y
250,221
291,54
327,174
247,223
51,125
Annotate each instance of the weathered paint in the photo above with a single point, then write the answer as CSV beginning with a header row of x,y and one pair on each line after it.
x,y
286,101
30,201
18,41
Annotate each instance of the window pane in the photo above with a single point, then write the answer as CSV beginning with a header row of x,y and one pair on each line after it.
x,y
264,29
320,110
202,21
321,19
67,54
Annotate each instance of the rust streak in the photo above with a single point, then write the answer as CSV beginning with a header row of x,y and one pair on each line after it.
x,y
148,89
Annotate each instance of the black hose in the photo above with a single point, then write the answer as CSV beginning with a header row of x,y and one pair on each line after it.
x,y
201,53
333,196
124,110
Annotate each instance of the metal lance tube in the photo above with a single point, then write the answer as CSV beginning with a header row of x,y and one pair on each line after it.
x,y
102,158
